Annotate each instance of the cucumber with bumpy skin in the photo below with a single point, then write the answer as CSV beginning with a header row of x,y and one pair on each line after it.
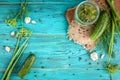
x,y
100,25
26,65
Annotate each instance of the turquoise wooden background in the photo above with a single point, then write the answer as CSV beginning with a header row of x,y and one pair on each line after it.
x,y
57,57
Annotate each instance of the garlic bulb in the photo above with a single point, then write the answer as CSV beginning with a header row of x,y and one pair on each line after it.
x,y
94,56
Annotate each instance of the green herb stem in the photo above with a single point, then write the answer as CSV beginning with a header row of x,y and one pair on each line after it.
x,y
13,58
15,61
111,4
111,42
16,47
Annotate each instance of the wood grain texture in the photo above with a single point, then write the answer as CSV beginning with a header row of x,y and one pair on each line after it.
x,y
57,57
42,1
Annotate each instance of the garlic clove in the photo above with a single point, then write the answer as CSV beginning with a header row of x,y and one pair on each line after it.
x,y
94,56
27,20
7,48
33,22
102,56
12,33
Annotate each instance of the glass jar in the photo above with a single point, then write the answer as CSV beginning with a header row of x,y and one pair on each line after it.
x,y
85,11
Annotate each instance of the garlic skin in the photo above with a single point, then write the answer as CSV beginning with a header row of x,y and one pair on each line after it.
x,y
12,33
94,56
33,22
27,20
7,48
102,56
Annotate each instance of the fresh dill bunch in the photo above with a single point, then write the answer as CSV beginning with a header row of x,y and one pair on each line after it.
x,y
112,68
13,20
22,41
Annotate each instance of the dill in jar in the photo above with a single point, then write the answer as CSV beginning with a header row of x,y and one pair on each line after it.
x,y
87,12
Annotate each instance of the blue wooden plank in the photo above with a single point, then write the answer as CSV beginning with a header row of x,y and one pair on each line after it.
x,y
66,55
45,46
42,14
63,74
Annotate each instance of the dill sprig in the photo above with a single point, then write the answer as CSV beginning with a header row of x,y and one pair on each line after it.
x,y
22,40
114,26
19,49
13,20
112,68
110,40
113,10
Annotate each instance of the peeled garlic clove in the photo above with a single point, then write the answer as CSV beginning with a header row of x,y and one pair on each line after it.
x,y
94,56
27,20
12,33
7,48
33,22
102,56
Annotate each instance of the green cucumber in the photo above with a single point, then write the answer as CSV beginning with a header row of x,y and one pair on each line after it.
x,y
26,65
100,25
